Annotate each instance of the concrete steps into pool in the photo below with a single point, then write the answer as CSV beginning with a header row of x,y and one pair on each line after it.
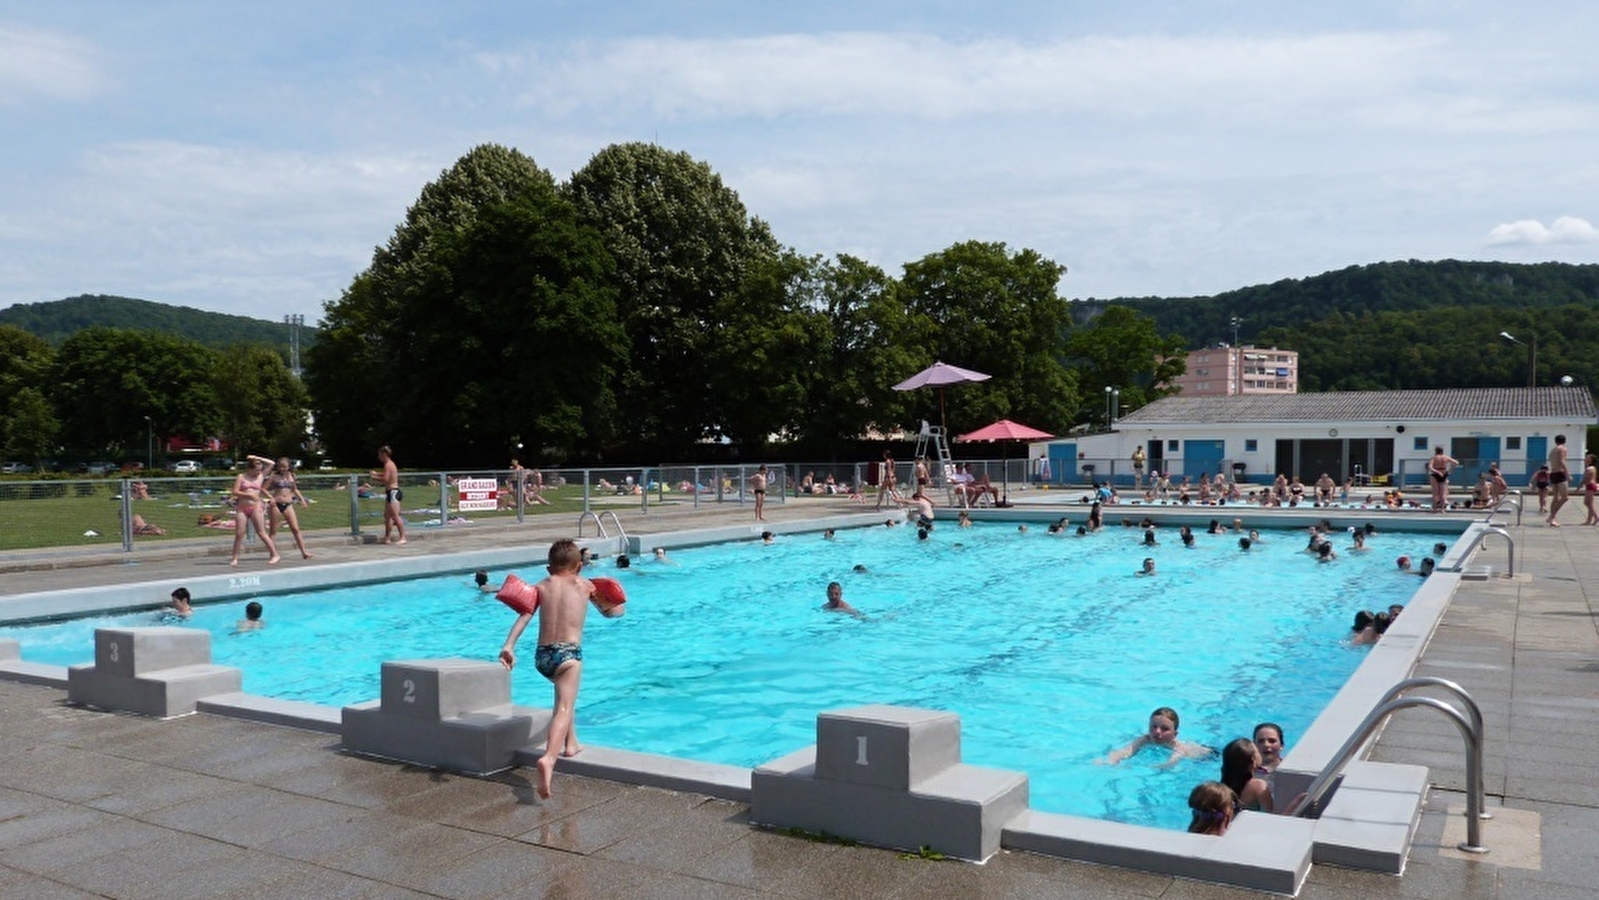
x,y
1371,820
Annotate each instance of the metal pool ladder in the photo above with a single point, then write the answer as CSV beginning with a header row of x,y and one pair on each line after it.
x,y
1469,723
1512,500
599,523
1483,535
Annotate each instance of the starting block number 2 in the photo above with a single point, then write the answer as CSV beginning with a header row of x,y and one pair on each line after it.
x,y
860,750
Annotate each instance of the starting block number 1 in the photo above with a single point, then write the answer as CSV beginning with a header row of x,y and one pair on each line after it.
x,y
860,750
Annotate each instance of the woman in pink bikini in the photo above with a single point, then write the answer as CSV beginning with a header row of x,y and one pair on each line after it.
x,y
248,508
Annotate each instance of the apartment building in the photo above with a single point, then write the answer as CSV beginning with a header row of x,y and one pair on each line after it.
x,y
1226,371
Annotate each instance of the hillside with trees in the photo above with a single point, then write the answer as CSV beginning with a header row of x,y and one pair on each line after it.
x,y
1404,324
57,320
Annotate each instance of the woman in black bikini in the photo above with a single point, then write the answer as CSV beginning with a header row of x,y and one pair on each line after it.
x,y
1439,468
285,493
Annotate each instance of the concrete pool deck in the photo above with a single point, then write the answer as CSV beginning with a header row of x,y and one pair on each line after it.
x,y
94,804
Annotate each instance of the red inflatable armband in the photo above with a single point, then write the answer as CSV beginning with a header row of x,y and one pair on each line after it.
x,y
609,591
519,595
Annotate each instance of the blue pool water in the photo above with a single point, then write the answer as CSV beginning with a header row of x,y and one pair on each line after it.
x,y
1048,647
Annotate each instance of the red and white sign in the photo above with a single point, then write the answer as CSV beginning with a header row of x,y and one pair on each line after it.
x,y
477,493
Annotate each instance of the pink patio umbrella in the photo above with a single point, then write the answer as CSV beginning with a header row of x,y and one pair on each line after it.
x,y
1005,431
937,375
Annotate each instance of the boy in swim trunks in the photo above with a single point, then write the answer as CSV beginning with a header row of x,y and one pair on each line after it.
x,y
562,606
758,485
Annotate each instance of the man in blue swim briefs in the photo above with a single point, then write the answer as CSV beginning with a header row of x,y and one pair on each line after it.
x,y
563,603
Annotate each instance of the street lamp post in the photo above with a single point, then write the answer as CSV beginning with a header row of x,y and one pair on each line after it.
x,y
1532,355
1113,398
149,443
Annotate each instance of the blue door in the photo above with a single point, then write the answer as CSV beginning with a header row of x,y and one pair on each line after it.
x,y
1062,463
1487,455
1537,455
1202,457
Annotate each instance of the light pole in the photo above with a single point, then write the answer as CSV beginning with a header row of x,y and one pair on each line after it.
x,y
1532,355
1237,356
1112,401
149,443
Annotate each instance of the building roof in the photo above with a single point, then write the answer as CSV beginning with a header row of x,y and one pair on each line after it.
x,y
1564,404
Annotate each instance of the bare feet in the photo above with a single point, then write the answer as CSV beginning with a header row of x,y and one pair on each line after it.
x,y
234,562
400,541
304,555
1553,523
546,768
274,560
572,750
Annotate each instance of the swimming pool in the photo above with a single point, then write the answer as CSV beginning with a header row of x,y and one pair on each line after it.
x,y
726,657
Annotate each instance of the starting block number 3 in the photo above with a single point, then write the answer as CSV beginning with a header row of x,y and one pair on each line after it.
x,y
860,750
113,651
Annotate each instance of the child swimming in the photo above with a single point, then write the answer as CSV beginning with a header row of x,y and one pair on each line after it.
x,y
1162,733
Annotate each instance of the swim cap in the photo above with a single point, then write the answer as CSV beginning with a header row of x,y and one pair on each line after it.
x,y
609,591
518,595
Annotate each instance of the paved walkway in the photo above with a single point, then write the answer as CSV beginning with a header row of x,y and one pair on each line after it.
x,y
101,805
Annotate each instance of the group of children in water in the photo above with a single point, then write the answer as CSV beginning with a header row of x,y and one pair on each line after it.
x,y
1248,770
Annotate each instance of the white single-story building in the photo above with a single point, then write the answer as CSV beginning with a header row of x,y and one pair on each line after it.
x,y
1368,436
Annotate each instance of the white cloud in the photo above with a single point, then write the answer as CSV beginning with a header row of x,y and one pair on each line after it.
x,y
1317,77
34,62
1565,230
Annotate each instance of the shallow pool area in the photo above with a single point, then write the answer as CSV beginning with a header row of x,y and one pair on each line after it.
x,y
1048,647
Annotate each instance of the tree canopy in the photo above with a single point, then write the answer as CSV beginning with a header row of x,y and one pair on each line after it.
x,y
688,255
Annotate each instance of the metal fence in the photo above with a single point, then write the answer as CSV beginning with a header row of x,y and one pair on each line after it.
x,y
130,513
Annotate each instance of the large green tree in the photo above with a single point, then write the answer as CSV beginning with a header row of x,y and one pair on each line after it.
x,y
684,245
516,338
32,428
362,373
982,307
1121,349
25,363
868,346
262,405
106,381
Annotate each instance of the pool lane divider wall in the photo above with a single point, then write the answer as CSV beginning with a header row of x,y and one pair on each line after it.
x,y
161,672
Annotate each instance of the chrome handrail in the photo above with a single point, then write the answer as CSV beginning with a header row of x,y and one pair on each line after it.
x,y
1324,782
598,525
1473,712
1483,535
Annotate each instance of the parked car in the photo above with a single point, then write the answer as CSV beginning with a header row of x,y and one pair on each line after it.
x,y
100,468
16,468
185,466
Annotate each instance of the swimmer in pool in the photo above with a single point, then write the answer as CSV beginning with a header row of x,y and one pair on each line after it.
x,y
481,579
835,600
1149,567
252,618
1162,733
1269,739
180,608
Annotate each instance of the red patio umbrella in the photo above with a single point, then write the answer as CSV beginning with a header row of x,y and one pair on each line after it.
x,y
937,375
1004,431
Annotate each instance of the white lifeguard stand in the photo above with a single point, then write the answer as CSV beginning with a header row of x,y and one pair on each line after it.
x,y
932,438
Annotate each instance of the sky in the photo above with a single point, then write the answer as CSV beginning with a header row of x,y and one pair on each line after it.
x,y
247,158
